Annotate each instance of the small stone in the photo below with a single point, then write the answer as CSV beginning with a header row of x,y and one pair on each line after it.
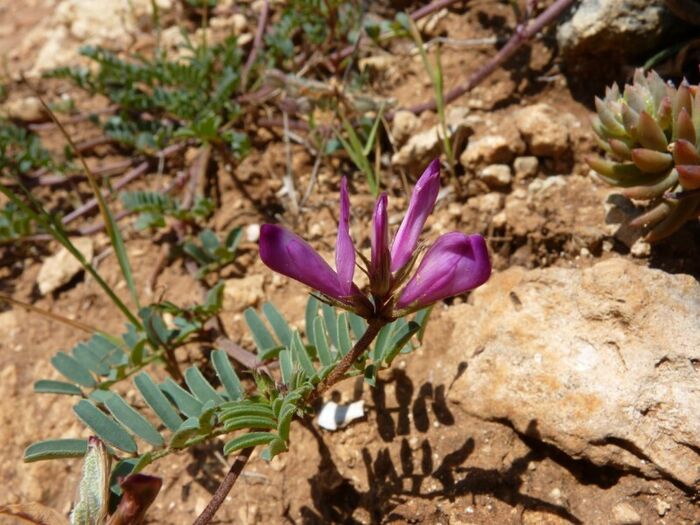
x,y
525,167
252,232
27,109
489,149
496,175
624,514
662,507
544,129
454,209
244,292
61,267
403,125
640,249
315,230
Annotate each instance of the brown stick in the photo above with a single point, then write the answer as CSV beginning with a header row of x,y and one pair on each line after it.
x,y
226,485
92,203
520,36
257,44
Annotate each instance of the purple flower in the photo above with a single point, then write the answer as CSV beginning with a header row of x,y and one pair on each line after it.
x,y
422,202
455,264
290,255
344,249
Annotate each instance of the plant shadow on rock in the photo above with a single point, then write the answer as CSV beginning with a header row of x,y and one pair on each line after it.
x,y
336,499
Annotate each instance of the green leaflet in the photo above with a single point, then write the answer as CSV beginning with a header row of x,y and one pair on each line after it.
x,y
55,449
104,426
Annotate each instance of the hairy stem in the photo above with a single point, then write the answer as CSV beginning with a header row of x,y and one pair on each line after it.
x,y
338,373
225,487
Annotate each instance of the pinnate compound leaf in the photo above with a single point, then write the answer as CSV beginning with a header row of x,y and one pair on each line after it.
x,y
251,439
48,386
157,401
104,426
55,449
227,375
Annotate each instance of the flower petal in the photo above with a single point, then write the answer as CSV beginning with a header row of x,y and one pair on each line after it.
x,y
344,249
455,264
290,255
422,202
379,263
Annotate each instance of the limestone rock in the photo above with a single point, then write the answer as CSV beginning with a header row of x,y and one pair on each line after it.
x,y
28,109
624,514
489,149
602,363
422,147
545,129
61,267
403,125
609,32
525,167
56,40
496,176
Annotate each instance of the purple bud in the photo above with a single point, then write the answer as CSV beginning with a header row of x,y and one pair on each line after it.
x,y
422,202
344,249
290,255
455,264
379,263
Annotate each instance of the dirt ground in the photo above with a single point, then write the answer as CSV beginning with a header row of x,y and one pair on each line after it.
x,y
415,458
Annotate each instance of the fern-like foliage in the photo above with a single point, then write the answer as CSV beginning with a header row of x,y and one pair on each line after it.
x,y
154,208
21,151
198,410
185,97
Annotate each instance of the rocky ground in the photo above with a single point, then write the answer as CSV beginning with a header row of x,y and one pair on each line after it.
x,y
563,391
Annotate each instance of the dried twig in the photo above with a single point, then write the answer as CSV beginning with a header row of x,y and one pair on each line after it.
x,y
92,203
257,44
521,35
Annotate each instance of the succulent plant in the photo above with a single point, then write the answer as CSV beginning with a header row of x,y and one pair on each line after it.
x,y
651,134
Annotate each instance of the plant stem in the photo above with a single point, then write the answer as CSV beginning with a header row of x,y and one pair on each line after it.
x,y
226,485
338,373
